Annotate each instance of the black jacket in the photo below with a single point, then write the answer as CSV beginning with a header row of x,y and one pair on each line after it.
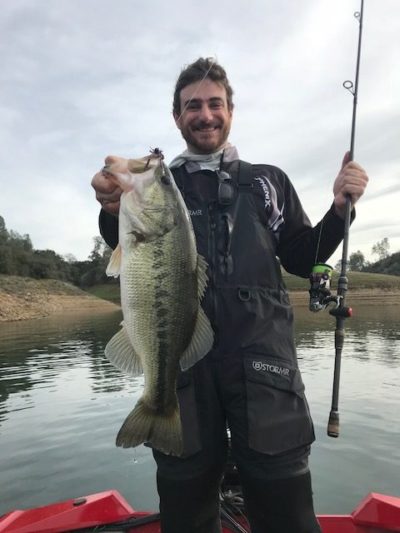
x,y
243,222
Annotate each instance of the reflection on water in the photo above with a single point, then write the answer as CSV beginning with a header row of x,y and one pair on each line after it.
x,y
366,456
62,403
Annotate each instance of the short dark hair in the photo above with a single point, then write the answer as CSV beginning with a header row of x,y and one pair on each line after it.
x,y
197,71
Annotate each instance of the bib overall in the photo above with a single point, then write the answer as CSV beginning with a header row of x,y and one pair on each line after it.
x,y
243,218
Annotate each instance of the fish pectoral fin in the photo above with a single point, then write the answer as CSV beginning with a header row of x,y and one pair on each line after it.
x,y
202,277
120,352
114,265
201,343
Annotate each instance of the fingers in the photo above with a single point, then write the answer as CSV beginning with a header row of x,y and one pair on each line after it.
x,y
110,206
110,159
351,181
107,191
346,159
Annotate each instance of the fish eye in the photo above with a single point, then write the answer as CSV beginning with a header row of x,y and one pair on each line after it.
x,y
165,179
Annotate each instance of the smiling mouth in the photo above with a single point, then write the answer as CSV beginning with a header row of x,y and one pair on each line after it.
x,y
207,129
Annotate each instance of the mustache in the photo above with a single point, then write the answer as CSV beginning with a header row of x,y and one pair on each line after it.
x,y
202,124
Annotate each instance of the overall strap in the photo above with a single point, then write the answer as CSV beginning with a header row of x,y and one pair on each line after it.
x,y
245,176
179,177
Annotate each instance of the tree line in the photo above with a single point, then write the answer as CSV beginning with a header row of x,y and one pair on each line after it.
x,y
385,264
19,258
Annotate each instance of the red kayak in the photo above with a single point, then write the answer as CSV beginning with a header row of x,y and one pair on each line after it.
x,y
109,511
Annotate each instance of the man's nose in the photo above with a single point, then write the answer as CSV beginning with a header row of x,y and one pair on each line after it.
x,y
205,113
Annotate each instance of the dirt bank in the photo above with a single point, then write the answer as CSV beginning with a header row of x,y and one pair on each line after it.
x,y
25,298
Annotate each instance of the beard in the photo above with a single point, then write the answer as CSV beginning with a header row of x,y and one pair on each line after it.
x,y
203,138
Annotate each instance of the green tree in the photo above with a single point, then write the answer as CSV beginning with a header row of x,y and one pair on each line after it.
x,y
70,258
98,261
6,260
3,231
19,258
356,261
390,265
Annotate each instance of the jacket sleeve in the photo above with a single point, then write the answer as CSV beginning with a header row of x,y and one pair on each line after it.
x,y
108,225
300,244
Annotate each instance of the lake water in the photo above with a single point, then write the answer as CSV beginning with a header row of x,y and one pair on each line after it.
x,y
62,403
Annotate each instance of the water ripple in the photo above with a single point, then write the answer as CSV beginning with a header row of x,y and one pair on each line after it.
x,y
62,404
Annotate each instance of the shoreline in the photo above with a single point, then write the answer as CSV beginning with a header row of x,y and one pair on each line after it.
x,y
26,299
13,309
42,304
359,297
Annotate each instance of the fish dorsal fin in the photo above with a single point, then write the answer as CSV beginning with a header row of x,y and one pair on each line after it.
x,y
202,277
114,265
119,351
201,343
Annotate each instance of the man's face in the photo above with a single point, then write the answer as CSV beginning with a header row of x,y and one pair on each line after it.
x,y
205,119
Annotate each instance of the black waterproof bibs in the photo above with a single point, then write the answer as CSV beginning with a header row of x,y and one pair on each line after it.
x,y
246,299
248,305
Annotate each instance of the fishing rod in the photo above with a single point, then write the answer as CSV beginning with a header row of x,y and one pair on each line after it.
x,y
342,312
320,295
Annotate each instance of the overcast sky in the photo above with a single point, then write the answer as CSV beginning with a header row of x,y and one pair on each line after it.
x,y
81,79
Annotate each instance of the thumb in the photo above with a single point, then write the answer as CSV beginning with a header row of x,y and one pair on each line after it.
x,y
110,159
346,159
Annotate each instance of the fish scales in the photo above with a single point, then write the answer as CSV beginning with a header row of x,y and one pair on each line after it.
x,y
162,281
166,338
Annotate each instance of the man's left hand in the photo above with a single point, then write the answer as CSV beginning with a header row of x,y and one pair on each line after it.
x,y
351,181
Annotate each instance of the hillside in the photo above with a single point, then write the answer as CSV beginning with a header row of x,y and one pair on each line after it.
x,y
24,298
363,286
357,281
388,265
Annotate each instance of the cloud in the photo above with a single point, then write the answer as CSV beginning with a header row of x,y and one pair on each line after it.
x,y
80,80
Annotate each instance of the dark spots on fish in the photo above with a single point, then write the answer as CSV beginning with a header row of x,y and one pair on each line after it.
x,y
161,333
158,278
158,255
161,309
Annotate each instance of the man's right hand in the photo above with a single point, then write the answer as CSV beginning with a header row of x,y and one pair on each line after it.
x,y
107,193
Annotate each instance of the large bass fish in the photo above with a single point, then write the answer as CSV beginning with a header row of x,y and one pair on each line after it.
x,y
162,282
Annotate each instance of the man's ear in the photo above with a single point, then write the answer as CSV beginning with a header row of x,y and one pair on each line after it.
x,y
177,119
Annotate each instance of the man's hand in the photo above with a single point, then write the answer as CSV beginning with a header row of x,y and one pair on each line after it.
x,y
351,181
107,192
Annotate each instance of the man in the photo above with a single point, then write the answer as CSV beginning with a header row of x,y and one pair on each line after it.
x,y
244,216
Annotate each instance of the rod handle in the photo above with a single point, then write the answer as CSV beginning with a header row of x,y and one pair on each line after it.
x,y
333,424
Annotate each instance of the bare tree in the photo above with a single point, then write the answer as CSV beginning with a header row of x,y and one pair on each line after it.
x,y
381,248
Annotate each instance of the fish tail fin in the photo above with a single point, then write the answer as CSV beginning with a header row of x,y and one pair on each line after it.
x,y
162,431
